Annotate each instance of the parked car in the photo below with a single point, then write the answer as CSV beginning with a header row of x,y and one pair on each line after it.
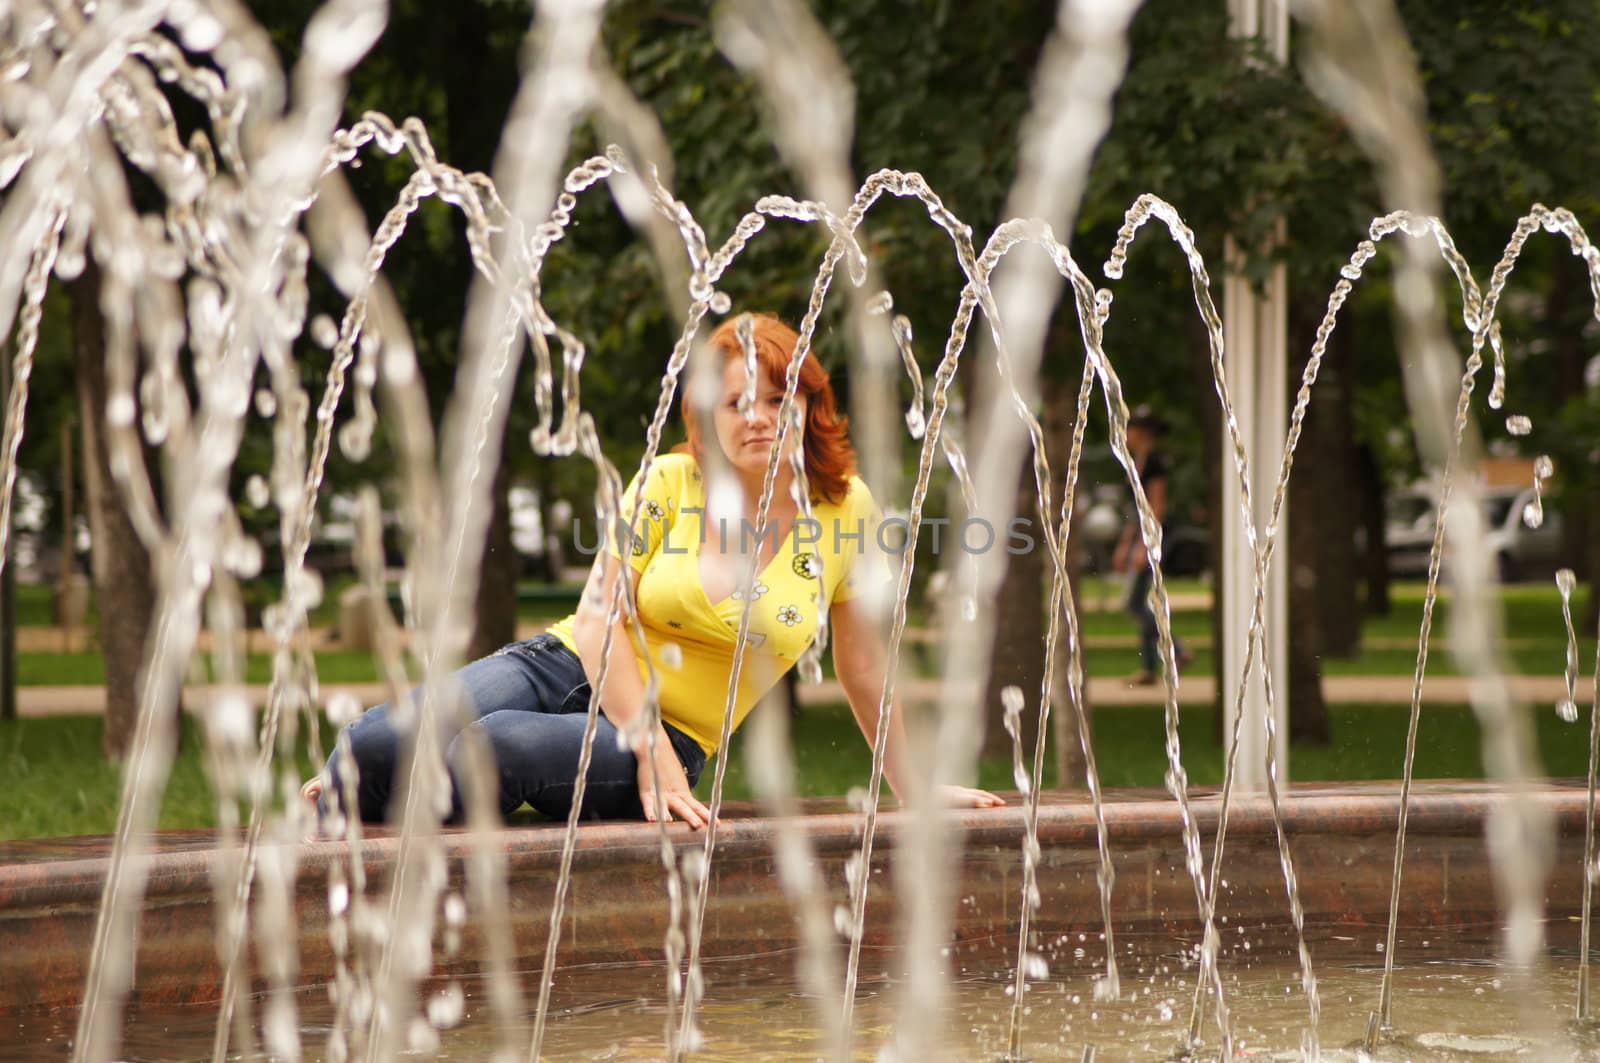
x,y
1520,551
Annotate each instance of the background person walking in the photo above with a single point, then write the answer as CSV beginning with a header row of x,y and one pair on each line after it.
x,y
1145,429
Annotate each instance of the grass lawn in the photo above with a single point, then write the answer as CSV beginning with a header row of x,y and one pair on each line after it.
x,y
58,784
1368,743
1532,622
88,667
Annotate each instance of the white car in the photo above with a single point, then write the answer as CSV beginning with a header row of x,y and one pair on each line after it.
x,y
1520,549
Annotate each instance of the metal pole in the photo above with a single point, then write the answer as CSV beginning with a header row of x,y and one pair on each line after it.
x,y
1255,337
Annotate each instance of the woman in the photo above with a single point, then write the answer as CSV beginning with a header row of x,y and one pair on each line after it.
x,y
687,560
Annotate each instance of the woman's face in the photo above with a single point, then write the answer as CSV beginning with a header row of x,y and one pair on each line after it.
x,y
747,443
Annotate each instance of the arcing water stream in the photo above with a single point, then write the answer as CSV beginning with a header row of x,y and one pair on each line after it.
x,y
222,273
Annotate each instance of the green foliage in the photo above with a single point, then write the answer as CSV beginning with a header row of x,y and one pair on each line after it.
x,y
1236,142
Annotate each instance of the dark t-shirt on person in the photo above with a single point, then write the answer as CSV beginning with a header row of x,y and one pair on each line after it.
x,y
1156,467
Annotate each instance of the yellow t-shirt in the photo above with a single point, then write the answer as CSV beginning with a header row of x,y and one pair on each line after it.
x,y
841,548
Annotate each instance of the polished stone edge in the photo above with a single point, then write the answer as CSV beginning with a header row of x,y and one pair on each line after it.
x,y
1133,817
1342,838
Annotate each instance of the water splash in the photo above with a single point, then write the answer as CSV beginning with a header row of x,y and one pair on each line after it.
x,y
370,348
1533,512
1567,707
1585,1009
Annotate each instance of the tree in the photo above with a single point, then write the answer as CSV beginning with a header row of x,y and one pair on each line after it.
x,y
123,579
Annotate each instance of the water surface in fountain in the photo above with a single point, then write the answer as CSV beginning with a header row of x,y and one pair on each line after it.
x,y
1460,1006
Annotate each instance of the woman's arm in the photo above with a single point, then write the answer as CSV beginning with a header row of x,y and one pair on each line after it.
x,y
858,660
622,698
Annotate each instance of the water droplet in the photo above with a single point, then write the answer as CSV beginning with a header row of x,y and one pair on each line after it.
x,y
306,588
421,1038
1533,514
231,721
120,410
201,32
446,1006
672,656
1544,467
455,910
1566,580
256,491
338,897
243,558
355,441
266,402
342,707
721,303
281,1031
324,333
881,303
1519,424
69,265
915,423
856,261
1567,711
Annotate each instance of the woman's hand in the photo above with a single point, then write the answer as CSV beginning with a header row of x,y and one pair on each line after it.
x,y
969,797
679,800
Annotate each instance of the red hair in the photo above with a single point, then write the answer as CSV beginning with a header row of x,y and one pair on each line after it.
x,y
830,460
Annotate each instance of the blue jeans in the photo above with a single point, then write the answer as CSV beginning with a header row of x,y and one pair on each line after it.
x,y
531,701
1149,634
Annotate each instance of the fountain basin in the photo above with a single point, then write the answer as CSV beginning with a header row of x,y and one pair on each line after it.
x,y
1342,838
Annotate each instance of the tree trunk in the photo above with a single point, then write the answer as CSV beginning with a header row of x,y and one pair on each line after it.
x,y
1332,458
1308,488
1308,713
1018,654
124,583
1375,562
495,618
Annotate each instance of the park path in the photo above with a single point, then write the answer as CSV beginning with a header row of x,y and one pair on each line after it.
x,y
1103,693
